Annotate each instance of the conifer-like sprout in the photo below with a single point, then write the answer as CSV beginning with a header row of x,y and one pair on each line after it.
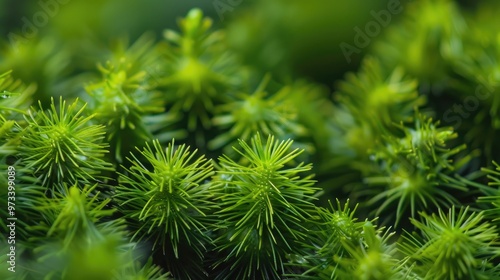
x,y
335,227
373,258
259,112
417,170
198,68
72,215
453,245
73,238
166,203
121,101
370,102
61,145
265,203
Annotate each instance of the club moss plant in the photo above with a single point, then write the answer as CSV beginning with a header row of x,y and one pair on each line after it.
x,y
175,160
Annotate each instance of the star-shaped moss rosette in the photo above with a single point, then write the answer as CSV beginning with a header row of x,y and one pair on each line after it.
x,y
379,99
453,244
265,205
418,170
166,203
324,248
258,112
199,70
122,101
369,102
62,145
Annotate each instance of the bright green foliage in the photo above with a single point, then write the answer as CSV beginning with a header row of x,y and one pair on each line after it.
x,y
259,112
370,102
166,202
198,69
126,97
103,192
492,194
453,246
335,229
6,127
72,215
71,233
79,243
379,99
61,145
265,203
417,170
373,258
15,98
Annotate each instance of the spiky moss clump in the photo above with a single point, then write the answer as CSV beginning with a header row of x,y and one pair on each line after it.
x,y
453,246
121,101
20,189
199,71
370,102
325,245
373,258
77,240
61,145
340,247
166,203
265,206
418,169
258,112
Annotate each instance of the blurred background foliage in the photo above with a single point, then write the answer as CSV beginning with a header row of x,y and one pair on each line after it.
x,y
282,36
295,36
